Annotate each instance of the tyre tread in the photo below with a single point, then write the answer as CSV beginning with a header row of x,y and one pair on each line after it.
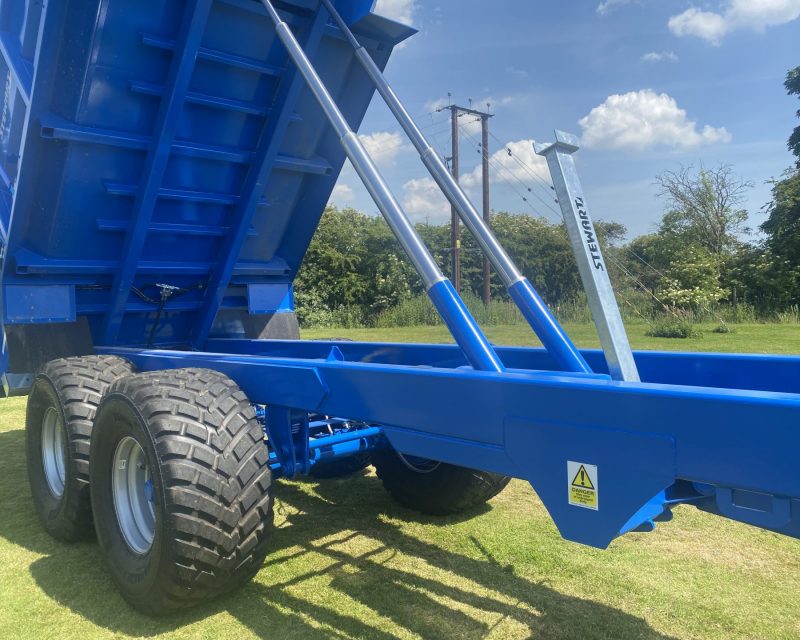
x,y
214,465
80,383
448,490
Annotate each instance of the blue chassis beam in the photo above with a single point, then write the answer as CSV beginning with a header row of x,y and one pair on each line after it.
x,y
732,451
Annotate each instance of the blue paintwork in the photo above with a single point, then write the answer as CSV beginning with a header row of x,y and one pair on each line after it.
x,y
477,350
655,444
173,143
550,332
262,166
331,447
193,24
167,142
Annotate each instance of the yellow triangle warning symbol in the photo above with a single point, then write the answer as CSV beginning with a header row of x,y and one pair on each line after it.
x,y
582,479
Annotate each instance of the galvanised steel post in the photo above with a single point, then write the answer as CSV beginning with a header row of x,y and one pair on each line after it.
x,y
533,308
455,225
458,319
487,272
591,265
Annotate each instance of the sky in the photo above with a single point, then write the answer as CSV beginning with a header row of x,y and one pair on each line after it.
x,y
647,85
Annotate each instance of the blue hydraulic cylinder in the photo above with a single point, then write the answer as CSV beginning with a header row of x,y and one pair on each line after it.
x,y
465,330
335,446
550,332
522,292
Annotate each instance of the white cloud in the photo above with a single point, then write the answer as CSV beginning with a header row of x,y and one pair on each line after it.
x,y
384,146
660,56
733,15
342,193
492,102
642,119
760,14
605,7
399,10
437,105
423,201
505,167
516,71
703,24
469,124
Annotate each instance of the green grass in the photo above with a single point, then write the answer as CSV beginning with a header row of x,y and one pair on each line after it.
x,y
347,562
750,338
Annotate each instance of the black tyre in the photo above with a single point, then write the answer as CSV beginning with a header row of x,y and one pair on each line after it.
x,y
58,424
432,487
343,467
181,487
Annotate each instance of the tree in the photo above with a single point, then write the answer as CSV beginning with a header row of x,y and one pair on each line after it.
x,y
648,258
792,85
782,226
353,261
692,280
782,229
542,252
704,207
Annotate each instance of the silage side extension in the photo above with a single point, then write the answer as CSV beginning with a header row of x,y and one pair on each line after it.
x,y
164,167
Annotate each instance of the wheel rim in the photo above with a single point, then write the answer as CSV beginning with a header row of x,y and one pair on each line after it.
x,y
54,451
133,494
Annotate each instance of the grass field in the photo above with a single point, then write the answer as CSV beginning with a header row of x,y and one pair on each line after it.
x,y
753,338
347,562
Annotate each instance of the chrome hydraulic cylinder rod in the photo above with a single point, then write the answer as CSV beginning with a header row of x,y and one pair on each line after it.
x,y
533,308
591,264
459,321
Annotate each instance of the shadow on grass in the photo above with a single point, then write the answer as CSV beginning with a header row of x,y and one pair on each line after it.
x,y
343,548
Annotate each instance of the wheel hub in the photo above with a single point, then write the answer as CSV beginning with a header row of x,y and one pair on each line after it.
x,y
133,495
54,451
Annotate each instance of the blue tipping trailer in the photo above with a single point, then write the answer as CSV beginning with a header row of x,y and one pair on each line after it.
x,y
164,167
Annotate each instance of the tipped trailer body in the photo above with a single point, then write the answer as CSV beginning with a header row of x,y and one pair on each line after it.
x,y
164,167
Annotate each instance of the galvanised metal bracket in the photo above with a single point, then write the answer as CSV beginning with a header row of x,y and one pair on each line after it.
x,y
586,247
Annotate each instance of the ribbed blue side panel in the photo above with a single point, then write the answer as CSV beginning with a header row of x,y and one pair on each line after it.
x,y
133,137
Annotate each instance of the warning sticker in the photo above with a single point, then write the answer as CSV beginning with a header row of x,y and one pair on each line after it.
x,y
582,484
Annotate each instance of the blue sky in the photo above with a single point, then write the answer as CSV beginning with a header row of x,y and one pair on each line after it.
x,y
648,85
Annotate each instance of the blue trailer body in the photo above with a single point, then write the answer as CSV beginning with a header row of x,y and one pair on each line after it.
x,y
164,168
165,142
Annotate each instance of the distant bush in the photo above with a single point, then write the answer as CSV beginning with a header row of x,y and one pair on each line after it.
x,y
344,317
672,328
416,311
723,328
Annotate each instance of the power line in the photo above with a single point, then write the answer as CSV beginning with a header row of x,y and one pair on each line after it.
x,y
523,164
502,169
641,285
665,276
438,129
434,123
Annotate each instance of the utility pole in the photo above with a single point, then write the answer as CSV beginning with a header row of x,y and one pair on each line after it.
x,y
455,228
